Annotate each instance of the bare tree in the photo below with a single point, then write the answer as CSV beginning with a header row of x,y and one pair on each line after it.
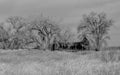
x,y
4,38
65,36
17,37
17,22
96,27
47,30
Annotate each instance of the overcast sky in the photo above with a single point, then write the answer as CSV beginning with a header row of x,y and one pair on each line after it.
x,y
67,11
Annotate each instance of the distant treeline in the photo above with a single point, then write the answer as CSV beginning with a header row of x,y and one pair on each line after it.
x,y
44,34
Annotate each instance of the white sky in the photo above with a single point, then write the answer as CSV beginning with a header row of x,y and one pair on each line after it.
x,y
69,11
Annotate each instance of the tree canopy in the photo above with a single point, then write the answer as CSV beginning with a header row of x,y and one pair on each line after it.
x,y
96,26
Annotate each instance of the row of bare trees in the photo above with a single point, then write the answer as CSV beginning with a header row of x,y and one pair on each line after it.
x,y
20,33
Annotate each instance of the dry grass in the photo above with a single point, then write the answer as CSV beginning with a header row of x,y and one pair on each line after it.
x,y
107,56
59,63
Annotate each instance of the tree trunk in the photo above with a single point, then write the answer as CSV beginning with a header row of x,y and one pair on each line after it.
x,y
47,44
97,44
